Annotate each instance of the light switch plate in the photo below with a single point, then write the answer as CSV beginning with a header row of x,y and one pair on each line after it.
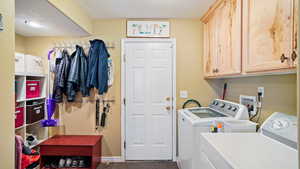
x,y
1,23
183,94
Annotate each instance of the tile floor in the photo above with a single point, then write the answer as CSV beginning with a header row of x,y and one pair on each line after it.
x,y
140,165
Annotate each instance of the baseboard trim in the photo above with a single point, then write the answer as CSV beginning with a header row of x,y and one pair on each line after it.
x,y
116,159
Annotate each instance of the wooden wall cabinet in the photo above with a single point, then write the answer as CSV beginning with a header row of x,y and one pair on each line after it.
x,y
243,37
222,38
268,35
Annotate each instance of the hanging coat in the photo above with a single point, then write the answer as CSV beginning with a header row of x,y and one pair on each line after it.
x,y
77,75
62,67
98,66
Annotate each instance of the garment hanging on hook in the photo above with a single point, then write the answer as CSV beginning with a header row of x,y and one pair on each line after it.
x,y
110,72
77,75
98,66
62,67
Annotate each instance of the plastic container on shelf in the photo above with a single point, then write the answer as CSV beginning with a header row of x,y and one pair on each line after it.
x,y
19,114
34,65
33,88
239,126
19,63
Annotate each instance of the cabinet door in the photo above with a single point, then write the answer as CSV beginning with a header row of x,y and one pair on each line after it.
x,y
295,53
210,46
267,33
229,18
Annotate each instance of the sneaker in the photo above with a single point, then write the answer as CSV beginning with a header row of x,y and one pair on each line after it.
x,y
68,162
81,164
61,163
74,163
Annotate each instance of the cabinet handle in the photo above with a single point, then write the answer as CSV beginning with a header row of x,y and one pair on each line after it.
x,y
283,58
294,56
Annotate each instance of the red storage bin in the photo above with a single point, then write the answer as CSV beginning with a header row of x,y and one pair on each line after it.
x,y
19,120
33,88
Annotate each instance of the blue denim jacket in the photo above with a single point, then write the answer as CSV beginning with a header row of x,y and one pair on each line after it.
x,y
98,66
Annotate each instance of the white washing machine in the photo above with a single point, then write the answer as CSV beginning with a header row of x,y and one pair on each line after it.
x,y
194,121
275,147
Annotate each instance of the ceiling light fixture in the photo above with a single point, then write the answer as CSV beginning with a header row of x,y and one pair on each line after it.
x,y
33,24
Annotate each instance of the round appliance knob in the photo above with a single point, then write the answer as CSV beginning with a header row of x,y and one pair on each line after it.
x,y
222,105
229,107
234,109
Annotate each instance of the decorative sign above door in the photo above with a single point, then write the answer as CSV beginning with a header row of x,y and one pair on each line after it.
x,y
152,29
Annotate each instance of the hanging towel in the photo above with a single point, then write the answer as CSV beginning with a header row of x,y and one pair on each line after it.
x,y
98,66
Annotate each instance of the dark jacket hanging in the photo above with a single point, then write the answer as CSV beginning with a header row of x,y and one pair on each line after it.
x,y
98,66
62,67
77,75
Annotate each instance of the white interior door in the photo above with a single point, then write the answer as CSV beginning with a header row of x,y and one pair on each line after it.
x,y
148,92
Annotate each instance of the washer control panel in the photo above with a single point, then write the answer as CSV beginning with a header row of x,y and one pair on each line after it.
x,y
281,127
232,109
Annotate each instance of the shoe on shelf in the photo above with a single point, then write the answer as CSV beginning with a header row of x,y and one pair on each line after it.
x,y
62,163
68,162
82,164
74,163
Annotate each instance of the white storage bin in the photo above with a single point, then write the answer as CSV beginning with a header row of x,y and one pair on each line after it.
x,y
239,126
19,63
34,65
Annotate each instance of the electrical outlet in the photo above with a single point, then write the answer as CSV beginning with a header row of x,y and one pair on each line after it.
x,y
183,94
261,90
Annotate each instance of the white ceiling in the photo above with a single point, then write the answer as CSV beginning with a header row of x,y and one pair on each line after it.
x,y
53,21
56,24
145,8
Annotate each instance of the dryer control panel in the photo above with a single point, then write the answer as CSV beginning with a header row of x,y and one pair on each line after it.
x,y
281,127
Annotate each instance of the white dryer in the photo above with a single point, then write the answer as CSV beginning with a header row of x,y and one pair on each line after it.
x,y
275,147
194,121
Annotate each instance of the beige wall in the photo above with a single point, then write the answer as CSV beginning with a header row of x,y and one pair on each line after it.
x,y
7,41
20,43
79,118
280,92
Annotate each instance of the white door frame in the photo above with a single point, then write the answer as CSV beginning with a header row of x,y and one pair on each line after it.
x,y
123,89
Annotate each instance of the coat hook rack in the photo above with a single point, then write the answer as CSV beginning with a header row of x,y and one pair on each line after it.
x,y
84,44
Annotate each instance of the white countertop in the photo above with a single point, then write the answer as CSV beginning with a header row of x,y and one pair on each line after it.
x,y
252,151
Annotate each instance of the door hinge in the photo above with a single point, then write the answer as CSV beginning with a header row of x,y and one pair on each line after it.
x,y
124,57
124,144
124,101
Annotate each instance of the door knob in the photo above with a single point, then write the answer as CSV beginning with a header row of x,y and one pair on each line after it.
x,y
168,99
294,56
283,58
168,108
